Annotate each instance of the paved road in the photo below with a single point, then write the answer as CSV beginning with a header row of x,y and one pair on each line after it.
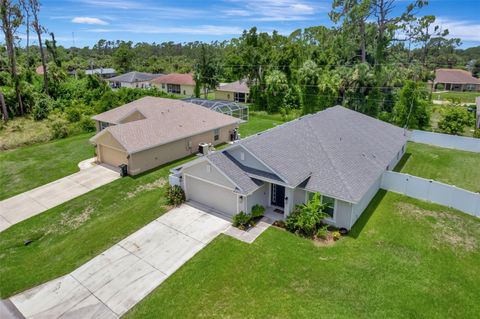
x,y
33,202
110,284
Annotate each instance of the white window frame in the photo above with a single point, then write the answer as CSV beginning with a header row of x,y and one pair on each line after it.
x,y
332,219
216,134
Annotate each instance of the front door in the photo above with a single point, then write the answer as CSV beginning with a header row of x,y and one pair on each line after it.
x,y
278,195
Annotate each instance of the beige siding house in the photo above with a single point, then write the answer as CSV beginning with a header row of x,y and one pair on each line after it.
x,y
153,131
236,92
338,153
176,83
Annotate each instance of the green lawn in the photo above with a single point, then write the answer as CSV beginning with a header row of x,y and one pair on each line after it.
x,y
68,235
31,166
403,259
464,97
258,123
443,165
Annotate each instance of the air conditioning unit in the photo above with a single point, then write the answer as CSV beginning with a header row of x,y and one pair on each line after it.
x,y
203,148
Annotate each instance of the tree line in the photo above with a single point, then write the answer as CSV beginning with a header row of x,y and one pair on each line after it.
x,y
374,60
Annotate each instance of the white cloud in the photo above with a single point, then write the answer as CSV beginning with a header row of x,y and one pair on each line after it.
x,y
113,4
89,20
149,29
273,10
465,30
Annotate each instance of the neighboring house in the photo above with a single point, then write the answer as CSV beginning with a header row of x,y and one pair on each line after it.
x,y
236,91
176,83
153,131
477,99
105,73
40,70
339,153
133,80
455,80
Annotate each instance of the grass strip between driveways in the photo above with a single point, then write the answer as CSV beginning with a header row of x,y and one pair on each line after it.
x,y
28,167
449,166
403,259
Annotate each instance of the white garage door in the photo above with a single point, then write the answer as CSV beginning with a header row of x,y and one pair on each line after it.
x,y
219,198
112,156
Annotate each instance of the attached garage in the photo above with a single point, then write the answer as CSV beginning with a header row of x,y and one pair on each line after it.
x,y
111,156
218,197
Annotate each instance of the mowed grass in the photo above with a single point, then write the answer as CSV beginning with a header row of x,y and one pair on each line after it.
x,y
463,97
403,259
70,234
258,123
25,168
67,236
449,166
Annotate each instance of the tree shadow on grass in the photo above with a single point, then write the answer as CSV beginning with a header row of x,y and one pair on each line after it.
x,y
402,162
367,213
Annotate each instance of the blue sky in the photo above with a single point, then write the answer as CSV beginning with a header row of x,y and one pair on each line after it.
x,y
206,20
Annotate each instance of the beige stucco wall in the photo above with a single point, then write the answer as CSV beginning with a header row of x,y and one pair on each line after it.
x,y
187,90
109,151
227,96
151,158
146,84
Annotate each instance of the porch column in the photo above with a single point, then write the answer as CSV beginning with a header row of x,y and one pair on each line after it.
x,y
288,201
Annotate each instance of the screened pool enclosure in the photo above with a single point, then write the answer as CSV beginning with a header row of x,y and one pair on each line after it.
x,y
234,109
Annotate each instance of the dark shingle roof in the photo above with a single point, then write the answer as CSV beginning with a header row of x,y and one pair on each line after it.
x,y
341,152
132,77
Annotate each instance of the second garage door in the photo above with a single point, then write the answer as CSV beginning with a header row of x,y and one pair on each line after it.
x,y
112,156
219,198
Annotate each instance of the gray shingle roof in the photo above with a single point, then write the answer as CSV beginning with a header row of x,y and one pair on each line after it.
x,y
132,77
245,184
341,152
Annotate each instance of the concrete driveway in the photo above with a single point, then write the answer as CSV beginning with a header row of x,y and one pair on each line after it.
x,y
110,284
33,202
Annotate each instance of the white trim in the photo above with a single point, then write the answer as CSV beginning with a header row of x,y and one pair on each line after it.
x,y
207,181
222,173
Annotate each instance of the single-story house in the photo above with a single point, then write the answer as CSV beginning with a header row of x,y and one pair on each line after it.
x,y
339,153
237,91
104,73
152,131
455,80
133,80
176,83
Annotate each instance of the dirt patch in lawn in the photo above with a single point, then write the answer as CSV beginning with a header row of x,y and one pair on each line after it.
x,y
448,228
147,187
73,222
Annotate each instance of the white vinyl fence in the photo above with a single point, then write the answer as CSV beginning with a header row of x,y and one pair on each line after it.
x,y
444,140
432,191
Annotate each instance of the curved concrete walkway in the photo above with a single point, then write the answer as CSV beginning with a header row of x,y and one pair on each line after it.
x,y
110,284
33,202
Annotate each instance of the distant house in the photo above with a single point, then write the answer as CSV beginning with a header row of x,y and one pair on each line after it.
x,y
152,131
133,80
176,83
455,80
478,111
237,91
103,73
40,70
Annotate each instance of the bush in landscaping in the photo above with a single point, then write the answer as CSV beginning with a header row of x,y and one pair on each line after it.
x,y
322,232
73,115
454,120
41,108
242,220
87,124
306,218
59,128
175,195
257,211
